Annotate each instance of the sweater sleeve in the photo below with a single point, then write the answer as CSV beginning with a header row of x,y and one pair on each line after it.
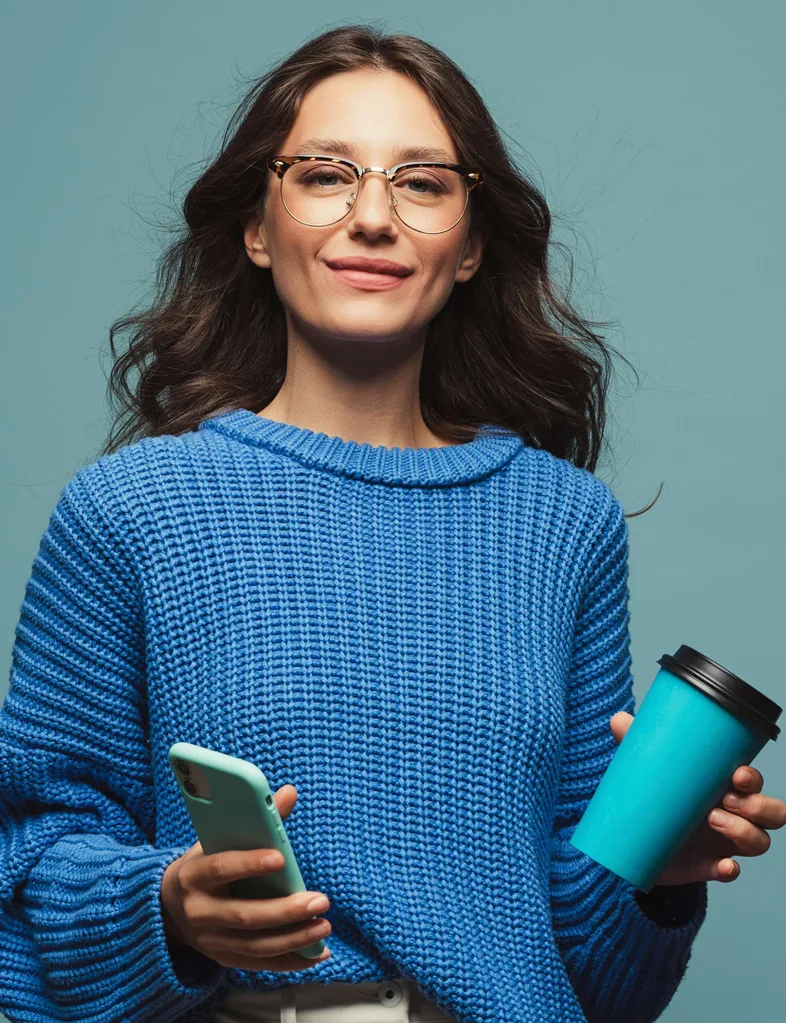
x,y
81,932
625,952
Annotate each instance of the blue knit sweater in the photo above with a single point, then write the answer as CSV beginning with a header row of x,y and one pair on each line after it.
x,y
427,642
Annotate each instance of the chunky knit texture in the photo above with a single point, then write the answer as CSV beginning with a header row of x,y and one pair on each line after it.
x,y
427,643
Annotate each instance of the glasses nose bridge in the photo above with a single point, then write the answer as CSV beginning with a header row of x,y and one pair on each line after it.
x,y
362,171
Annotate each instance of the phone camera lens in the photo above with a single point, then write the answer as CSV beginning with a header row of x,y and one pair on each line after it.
x,y
183,767
190,787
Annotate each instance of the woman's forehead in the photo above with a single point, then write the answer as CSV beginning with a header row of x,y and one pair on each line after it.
x,y
339,116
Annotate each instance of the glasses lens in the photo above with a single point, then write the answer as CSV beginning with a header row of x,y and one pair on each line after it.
x,y
318,193
428,199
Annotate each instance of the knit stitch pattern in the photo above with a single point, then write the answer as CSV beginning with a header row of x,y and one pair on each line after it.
x,y
427,643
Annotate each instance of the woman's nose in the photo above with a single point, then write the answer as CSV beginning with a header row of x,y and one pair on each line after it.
x,y
372,199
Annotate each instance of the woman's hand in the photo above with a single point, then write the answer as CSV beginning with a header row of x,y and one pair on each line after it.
x,y
706,854
248,934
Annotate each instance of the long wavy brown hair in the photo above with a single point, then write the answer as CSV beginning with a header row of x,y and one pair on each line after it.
x,y
508,348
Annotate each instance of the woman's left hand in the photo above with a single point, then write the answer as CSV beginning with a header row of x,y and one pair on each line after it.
x,y
706,854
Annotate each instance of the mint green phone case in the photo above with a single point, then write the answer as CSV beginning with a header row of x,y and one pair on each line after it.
x,y
232,807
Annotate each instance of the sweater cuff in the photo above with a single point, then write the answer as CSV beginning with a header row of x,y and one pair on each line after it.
x,y
666,928
96,909
622,963
673,905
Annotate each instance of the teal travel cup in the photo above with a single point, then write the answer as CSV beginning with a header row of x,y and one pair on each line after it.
x,y
696,725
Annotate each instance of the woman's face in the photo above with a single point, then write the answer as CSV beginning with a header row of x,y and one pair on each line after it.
x,y
375,112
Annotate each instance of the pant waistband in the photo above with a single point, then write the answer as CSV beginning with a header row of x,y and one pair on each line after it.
x,y
388,1001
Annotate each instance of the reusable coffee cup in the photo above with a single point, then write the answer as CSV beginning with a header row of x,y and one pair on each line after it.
x,y
696,725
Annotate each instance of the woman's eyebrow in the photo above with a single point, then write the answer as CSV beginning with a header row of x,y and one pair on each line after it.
x,y
401,154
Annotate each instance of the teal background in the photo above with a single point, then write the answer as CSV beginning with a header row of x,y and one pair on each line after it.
x,y
656,134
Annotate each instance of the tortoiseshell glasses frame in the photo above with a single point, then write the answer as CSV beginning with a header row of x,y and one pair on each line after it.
x,y
280,164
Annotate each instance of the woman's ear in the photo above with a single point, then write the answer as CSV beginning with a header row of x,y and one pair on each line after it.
x,y
474,245
254,236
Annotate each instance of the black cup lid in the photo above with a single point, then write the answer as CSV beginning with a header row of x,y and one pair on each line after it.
x,y
725,688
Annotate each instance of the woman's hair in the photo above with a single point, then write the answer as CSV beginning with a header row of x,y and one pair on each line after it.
x,y
507,349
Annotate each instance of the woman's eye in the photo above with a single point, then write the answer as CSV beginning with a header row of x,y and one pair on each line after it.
x,y
319,178
422,185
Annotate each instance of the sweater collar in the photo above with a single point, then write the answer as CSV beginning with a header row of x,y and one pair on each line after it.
x,y
413,467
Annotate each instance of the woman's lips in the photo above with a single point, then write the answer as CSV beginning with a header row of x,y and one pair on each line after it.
x,y
368,282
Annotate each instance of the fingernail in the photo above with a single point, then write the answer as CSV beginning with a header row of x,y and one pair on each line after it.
x,y
317,905
719,817
732,799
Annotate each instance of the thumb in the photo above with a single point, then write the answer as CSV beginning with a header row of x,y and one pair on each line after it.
x,y
620,723
193,850
285,798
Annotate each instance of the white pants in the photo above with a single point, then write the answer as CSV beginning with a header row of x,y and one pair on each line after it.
x,y
386,1001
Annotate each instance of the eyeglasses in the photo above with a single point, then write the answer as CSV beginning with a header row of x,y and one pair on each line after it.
x,y
321,190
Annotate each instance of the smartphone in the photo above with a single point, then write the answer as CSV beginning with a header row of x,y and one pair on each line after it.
x,y
232,807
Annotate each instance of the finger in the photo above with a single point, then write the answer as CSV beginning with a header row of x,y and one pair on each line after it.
x,y
286,963
749,839
270,941
725,871
285,798
218,869
766,811
258,914
748,779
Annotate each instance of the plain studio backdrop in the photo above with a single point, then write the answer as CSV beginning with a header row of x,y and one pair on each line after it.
x,y
656,135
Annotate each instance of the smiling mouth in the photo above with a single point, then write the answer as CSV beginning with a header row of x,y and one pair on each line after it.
x,y
369,281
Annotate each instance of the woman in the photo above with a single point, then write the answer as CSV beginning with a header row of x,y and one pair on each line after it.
x,y
358,541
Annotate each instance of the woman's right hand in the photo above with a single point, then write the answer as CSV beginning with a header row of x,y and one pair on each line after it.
x,y
247,934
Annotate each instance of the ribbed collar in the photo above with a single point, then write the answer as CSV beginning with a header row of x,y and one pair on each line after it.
x,y
410,467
